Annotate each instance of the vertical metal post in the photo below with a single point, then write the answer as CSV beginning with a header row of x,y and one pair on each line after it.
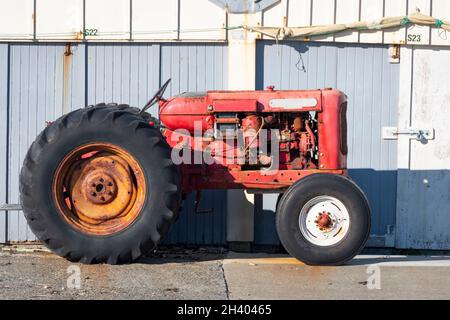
x,y
178,19
359,19
34,20
8,116
335,18
84,20
131,20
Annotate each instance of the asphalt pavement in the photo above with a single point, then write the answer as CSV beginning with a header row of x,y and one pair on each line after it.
x,y
213,273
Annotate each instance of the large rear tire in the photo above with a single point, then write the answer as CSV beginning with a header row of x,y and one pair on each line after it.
x,y
98,185
323,219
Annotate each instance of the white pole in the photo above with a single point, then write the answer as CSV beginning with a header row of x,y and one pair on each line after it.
x,y
241,76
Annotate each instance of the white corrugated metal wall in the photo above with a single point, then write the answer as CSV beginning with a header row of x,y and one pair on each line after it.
x,y
187,20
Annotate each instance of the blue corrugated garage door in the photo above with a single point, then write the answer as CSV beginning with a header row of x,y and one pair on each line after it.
x,y
40,82
371,83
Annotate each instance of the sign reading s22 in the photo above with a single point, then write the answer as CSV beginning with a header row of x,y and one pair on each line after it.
x,y
90,32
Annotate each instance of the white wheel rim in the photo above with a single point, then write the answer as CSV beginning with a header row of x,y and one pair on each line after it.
x,y
324,221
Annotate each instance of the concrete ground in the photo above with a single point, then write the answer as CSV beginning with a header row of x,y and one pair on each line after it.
x,y
215,274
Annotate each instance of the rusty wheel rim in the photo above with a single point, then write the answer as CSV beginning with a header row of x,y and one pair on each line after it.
x,y
99,188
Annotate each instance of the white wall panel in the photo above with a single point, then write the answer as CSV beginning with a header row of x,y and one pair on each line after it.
x,y
418,34
16,19
59,19
154,19
347,11
423,193
440,10
430,104
323,13
274,16
394,9
202,14
371,11
111,19
299,13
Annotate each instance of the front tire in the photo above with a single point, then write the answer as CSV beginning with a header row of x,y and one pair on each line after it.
x,y
98,185
323,219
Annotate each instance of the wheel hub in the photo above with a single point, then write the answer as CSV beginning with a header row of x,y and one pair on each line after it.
x,y
324,220
101,188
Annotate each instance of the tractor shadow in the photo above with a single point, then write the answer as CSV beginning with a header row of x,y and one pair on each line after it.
x,y
369,256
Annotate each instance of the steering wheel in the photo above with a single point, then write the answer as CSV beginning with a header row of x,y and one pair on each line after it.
x,y
157,96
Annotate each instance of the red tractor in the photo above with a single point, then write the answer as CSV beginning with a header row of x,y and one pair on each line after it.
x,y
103,184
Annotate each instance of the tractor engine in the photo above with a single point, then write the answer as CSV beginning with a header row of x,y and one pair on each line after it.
x,y
287,138
251,130
253,140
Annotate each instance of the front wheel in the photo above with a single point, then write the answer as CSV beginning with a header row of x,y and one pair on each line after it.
x,y
323,219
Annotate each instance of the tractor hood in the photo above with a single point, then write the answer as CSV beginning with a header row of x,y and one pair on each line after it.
x,y
181,111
